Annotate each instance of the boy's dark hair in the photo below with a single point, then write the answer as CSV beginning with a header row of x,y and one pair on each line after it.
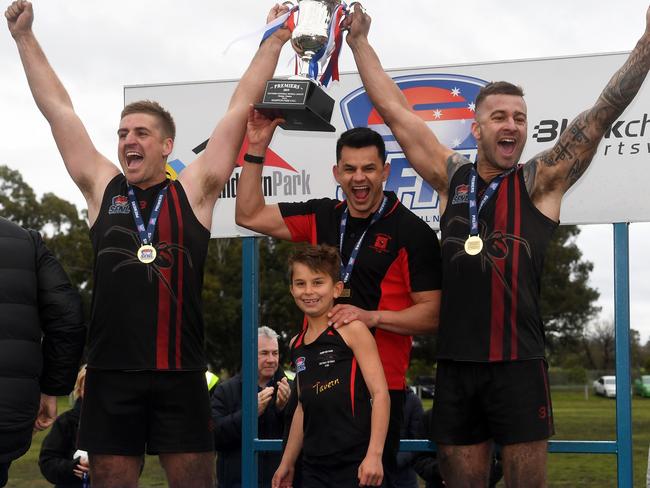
x,y
167,125
361,137
321,258
497,88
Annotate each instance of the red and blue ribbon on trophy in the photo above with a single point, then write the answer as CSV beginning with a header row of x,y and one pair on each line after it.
x,y
328,53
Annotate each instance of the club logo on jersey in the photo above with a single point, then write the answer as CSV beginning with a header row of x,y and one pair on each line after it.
x,y
446,103
326,358
381,243
300,364
119,205
461,195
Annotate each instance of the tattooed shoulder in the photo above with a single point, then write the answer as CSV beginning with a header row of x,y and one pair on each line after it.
x,y
530,171
455,161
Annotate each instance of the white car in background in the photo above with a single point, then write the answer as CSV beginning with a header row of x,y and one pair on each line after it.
x,y
605,386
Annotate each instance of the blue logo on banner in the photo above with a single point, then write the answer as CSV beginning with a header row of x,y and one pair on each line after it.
x,y
445,102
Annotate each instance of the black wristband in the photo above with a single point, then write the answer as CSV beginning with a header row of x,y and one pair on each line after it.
x,y
249,158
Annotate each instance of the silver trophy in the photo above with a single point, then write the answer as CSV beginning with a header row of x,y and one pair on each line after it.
x,y
300,100
312,31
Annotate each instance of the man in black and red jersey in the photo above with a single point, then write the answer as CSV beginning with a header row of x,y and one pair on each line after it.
x,y
391,266
145,384
496,219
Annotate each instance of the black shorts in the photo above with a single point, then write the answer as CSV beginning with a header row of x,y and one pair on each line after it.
x,y
338,471
509,402
124,412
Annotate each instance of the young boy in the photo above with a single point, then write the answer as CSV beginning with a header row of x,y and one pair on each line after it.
x,y
341,434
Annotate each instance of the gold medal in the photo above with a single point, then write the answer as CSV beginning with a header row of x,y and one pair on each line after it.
x,y
346,293
147,254
473,245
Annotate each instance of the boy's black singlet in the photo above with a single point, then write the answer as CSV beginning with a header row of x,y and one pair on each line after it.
x,y
147,316
334,397
490,302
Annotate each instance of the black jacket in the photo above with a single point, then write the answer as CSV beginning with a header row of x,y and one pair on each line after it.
x,y
227,416
42,333
59,445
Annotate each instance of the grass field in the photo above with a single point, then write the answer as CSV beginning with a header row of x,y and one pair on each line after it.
x,y
575,419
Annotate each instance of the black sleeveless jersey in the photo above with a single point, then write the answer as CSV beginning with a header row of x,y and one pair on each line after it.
x,y
490,302
147,316
334,397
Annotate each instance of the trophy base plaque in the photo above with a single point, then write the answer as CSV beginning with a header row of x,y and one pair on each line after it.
x,y
301,103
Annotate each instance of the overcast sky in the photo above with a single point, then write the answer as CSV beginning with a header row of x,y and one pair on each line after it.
x,y
98,47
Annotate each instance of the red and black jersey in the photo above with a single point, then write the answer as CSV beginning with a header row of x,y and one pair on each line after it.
x,y
334,397
147,316
400,254
490,303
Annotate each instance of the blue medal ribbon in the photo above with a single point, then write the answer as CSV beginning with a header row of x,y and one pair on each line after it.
x,y
347,270
490,190
146,234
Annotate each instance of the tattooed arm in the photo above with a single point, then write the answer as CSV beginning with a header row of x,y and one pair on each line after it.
x,y
550,174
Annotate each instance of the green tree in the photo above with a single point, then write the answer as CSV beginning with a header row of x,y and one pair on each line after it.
x,y
222,292
600,345
64,231
567,300
645,360
278,310
18,201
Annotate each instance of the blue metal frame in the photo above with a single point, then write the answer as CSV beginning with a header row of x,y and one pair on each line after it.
x,y
622,446
250,318
622,331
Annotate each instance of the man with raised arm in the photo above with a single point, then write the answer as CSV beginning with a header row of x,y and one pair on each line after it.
x,y
492,382
145,384
391,263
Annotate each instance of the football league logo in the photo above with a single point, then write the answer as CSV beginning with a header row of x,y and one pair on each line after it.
x,y
119,205
445,102
461,195
300,364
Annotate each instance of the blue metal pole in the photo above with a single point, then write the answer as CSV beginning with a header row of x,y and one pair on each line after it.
x,y
622,331
250,301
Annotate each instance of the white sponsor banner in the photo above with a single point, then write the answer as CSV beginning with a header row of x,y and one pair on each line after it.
x,y
557,89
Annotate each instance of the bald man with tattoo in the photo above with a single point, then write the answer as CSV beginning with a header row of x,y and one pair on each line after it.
x,y
497,218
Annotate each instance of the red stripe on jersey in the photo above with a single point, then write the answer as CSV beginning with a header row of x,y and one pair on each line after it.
x,y
498,290
179,293
353,374
302,228
164,298
392,209
300,336
395,349
515,268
